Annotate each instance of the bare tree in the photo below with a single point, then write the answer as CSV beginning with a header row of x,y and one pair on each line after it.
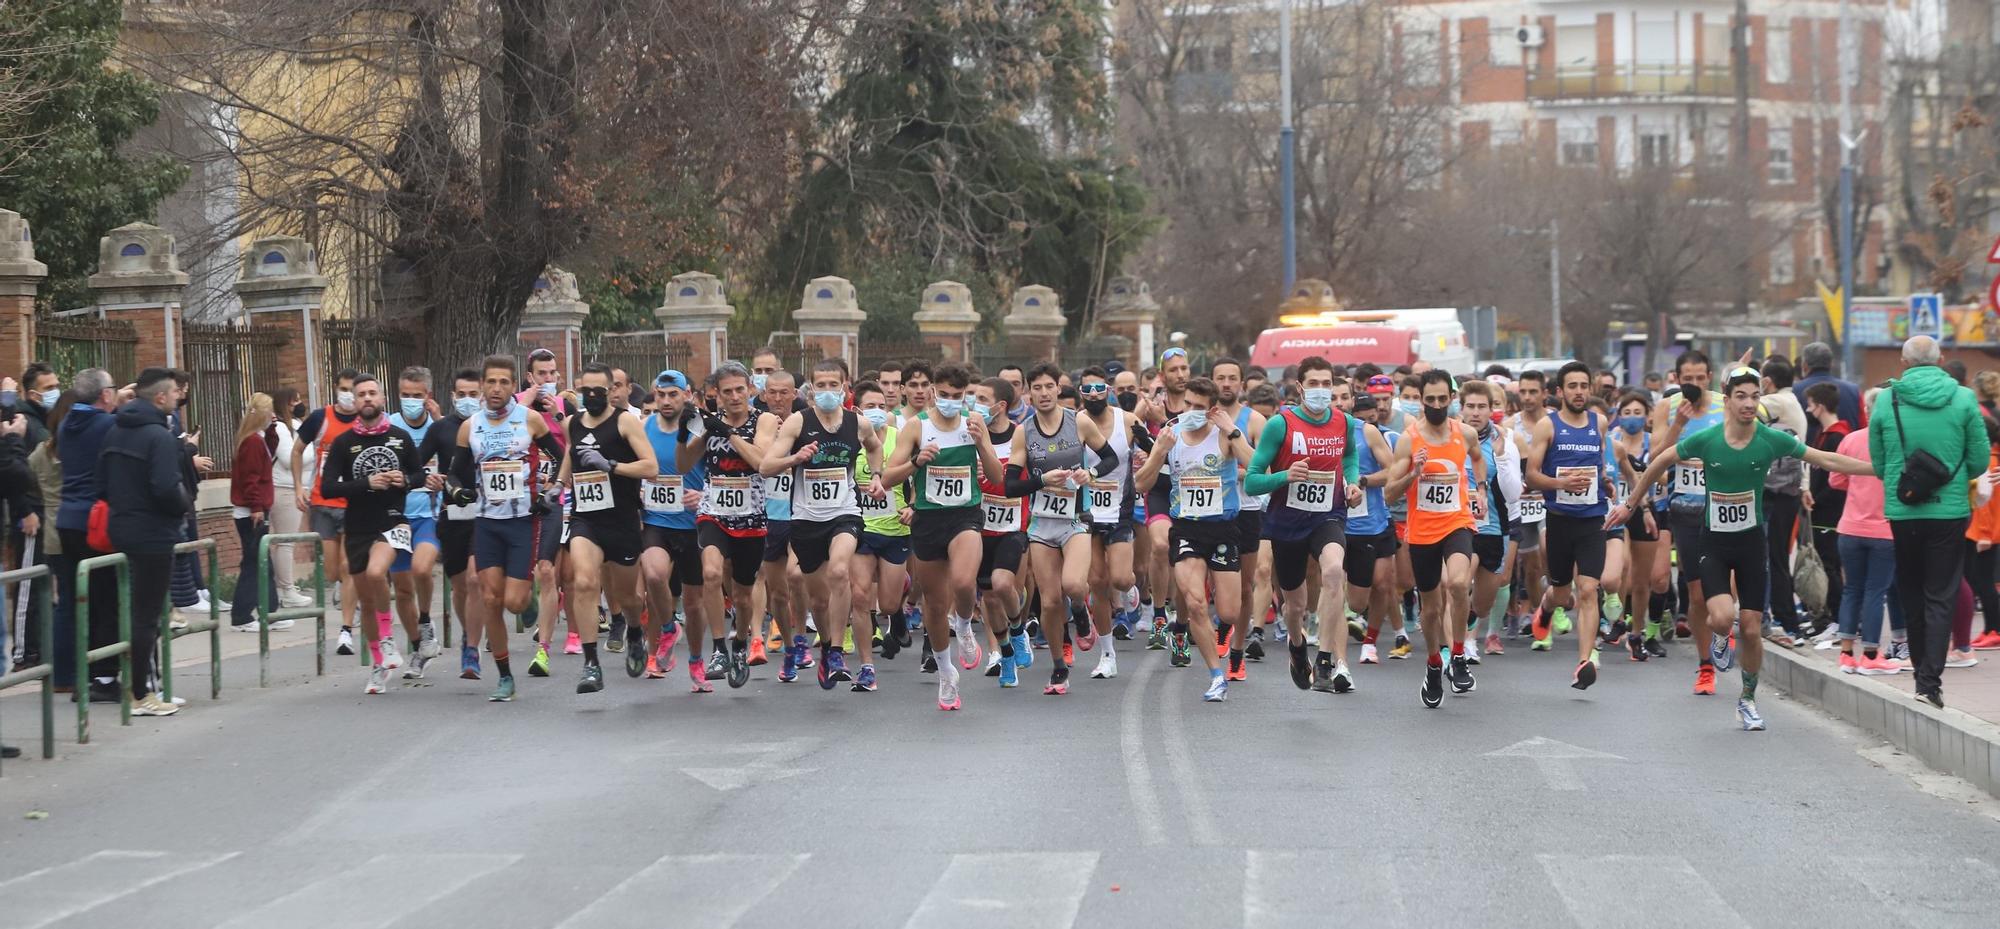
x,y
1944,121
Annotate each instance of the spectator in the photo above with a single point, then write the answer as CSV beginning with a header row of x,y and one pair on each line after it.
x,y
1823,501
142,480
1868,560
1956,369
1980,555
1783,484
1817,360
250,495
189,595
1657,384
1929,413
286,518
81,435
1986,387
47,468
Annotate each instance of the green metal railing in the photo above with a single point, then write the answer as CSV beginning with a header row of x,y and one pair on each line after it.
x,y
268,612
46,671
121,648
212,625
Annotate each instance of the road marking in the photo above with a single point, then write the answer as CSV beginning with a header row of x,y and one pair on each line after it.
x,y
49,896
1187,780
413,882
1138,773
1637,890
1283,888
1957,891
768,766
375,784
1007,890
1553,759
711,891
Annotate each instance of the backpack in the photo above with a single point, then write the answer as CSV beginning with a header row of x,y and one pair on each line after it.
x,y
1787,475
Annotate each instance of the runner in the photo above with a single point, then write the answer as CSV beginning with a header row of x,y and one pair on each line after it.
x,y
1649,571
1735,459
1227,374
328,515
461,510
731,526
1204,455
609,454
1051,444
672,557
372,466
1302,460
1565,462
1171,404
1003,542
1492,544
782,583
826,508
494,456
411,572
1444,508
879,572
939,449
1691,409
543,394
1533,393
1370,562
1109,510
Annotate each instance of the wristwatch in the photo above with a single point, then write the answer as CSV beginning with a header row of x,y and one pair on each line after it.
x,y
1235,434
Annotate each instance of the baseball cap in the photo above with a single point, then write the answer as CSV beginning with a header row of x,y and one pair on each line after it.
x,y
670,378
1381,384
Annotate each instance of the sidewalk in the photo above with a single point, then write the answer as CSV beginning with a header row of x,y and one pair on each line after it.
x,y
1963,739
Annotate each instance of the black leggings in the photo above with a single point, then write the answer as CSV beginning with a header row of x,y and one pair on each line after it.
x,y
1979,572
1781,516
152,573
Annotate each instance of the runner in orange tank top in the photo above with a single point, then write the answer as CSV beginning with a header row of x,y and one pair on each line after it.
x,y
1435,457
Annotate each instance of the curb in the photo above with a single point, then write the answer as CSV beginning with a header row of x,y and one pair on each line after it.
x,y
1948,740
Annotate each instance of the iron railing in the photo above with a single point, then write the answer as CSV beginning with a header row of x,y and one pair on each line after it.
x,y
71,344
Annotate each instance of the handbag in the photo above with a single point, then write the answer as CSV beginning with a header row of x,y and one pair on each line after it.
x,y
1923,474
98,535
1809,576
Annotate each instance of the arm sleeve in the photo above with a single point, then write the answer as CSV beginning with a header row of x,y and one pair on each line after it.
x,y
1141,439
1350,463
1107,459
550,446
1259,481
1510,476
1018,482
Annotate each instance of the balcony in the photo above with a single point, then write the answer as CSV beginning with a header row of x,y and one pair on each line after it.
x,y
1632,79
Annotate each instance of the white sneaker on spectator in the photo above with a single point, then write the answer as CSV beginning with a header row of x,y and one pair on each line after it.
x,y
177,623
177,701
244,627
292,599
278,624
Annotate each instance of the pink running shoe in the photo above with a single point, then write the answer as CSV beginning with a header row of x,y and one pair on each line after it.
x,y
665,652
699,675
1848,665
572,645
1876,666
1494,645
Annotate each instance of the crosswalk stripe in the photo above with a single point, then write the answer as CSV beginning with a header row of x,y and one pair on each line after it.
x,y
335,902
1958,891
51,895
711,891
1007,890
1284,888
1635,890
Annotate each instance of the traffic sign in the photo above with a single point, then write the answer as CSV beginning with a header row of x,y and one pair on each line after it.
x,y
1993,257
1993,294
1927,315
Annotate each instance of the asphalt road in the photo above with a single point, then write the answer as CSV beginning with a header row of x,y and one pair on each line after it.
x,y
1126,803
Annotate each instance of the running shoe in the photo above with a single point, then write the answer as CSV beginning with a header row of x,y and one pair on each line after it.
x,y
653,670
468,662
1461,676
635,660
887,646
967,646
947,686
915,620
1432,691
346,645
1681,628
806,660
414,671
788,671
718,664
1471,651
1585,675
1355,629
572,645
1614,608
1058,682
864,682
1636,646
378,680
503,693
1009,672
698,676
1255,649
1343,680
1182,656
1322,676
1218,689
391,658
1069,652
1704,680
1302,670
1085,635
1877,666
1722,650
1655,647
1847,663
592,680
1538,627
663,653
993,663
1402,648
1541,645
1900,651
1561,624
1493,644
1156,640
825,675
1369,656
838,673
427,642
1746,711
1957,658
739,670
1107,667
930,665
1238,672
1121,627
757,652
539,667
1024,653
614,635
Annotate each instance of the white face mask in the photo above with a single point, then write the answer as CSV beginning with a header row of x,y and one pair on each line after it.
x,y
1317,399
1192,421
344,399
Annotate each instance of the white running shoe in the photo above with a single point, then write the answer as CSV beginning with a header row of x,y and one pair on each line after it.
x,y
1107,667
415,670
346,644
378,680
391,659
1368,654
292,599
968,645
947,686
428,647
992,661
1471,651
278,624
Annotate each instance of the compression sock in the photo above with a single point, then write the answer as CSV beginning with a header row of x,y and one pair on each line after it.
x,y
385,626
1750,685
1436,659
590,653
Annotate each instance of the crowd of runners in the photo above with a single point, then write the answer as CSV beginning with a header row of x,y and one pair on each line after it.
x,y
1326,517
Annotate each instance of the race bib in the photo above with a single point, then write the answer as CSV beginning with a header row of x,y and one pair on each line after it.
x,y
564,539
1003,514
948,485
459,514
663,494
1690,479
1732,512
1104,502
398,538
1359,510
592,490
504,480
1586,498
1055,504
1533,507
826,486
778,487
729,496
875,506
1200,497
1315,493
1438,493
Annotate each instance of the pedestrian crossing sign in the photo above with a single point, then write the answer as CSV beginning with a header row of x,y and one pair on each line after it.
x,y
1927,315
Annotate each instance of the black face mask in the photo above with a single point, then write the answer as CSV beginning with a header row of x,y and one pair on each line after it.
x,y
1094,407
1434,414
1692,394
298,411
596,400
1128,402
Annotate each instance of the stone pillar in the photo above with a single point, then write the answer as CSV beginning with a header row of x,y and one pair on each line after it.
x,y
20,277
553,319
1034,326
829,317
946,320
1131,314
697,313
282,290
1310,296
139,280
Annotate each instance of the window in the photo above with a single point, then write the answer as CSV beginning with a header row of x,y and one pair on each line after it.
x,y
1426,158
1420,56
1783,264
1778,53
1576,47
1508,135
1579,144
1262,43
1212,55
1503,48
1715,142
1715,41
1778,156
1654,45
1656,147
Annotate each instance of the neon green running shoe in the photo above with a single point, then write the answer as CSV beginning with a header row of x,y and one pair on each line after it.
x,y
540,666
1614,608
1561,621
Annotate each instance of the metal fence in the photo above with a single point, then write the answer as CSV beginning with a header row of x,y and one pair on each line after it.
x,y
71,344
640,354
873,354
225,365
793,356
371,346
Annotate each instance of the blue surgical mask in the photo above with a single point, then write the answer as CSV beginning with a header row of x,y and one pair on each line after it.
x,y
1192,421
828,400
1410,407
465,406
1632,424
878,418
413,409
549,389
50,396
757,382
980,411
1318,399
1453,410
950,408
